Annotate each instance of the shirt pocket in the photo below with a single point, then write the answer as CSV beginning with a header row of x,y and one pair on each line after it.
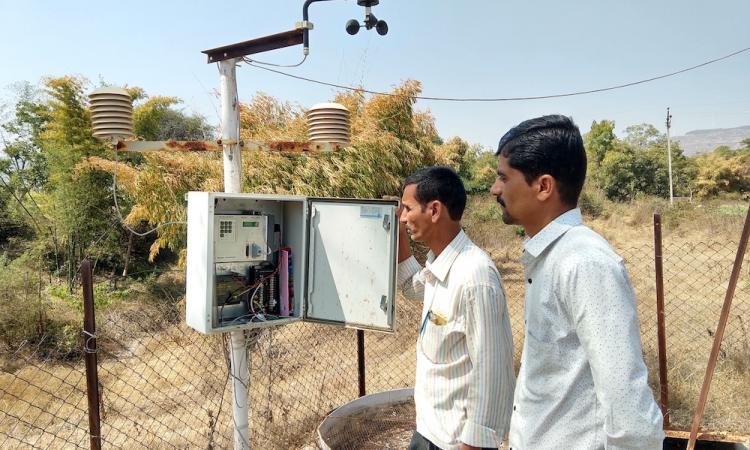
x,y
544,366
442,343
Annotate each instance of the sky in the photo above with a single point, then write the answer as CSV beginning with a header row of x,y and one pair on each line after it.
x,y
470,48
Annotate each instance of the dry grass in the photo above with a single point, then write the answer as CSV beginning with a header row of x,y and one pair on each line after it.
x,y
165,386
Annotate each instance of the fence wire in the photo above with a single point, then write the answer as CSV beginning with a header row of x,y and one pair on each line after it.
x,y
165,386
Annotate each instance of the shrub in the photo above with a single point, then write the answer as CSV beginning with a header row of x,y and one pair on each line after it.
x,y
30,321
592,202
487,213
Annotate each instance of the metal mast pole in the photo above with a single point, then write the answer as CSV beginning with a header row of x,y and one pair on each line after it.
x,y
669,157
230,138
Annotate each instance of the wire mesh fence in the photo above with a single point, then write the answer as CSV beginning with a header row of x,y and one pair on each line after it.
x,y
165,386
696,277
162,389
43,405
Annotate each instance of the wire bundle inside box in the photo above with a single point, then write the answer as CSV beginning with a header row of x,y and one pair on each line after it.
x,y
252,269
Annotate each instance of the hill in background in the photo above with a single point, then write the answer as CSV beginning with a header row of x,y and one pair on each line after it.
x,y
704,141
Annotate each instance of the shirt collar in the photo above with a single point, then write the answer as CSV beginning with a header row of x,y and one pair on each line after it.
x,y
553,230
441,265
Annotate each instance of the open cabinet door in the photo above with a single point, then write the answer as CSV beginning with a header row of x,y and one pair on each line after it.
x,y
351,273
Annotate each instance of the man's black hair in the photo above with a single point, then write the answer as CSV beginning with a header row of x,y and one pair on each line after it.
x,y
442,184
548,145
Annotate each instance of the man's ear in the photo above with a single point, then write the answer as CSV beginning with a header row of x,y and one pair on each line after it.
x,y
546,187
436,209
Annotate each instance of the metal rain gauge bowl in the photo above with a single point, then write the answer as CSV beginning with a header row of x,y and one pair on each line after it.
x,y
385,420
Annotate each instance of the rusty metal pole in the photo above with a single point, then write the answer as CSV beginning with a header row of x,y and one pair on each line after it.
x,y
361,361
89,355
660,328
718,337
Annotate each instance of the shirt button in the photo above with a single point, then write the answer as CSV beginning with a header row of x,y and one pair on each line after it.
x,y
514,407
529,280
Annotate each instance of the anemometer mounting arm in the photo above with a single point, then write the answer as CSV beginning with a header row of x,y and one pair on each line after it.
x,y
306,25
300,35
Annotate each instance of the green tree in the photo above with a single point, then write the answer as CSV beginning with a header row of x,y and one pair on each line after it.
x,y
19,136
10,223
482,171
642,136
457,154
683,170
723,171
156,120
599,141
617,174
639,164
23,168
475,165
79,202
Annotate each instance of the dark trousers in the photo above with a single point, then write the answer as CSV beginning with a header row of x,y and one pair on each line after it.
x,y
419,442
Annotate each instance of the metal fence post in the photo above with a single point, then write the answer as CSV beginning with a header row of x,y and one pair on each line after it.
x,y
89,354
361,361
660,328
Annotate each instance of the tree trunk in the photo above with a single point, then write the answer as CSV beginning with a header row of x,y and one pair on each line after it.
x,y
71,257
40,306
127,255
57,253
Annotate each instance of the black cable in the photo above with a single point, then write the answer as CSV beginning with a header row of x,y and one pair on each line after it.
x,y
506,99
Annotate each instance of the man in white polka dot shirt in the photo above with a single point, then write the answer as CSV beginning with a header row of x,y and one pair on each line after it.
x,y
582,382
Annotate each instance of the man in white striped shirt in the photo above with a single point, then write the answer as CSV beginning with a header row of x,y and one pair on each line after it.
x,y
464,381
583,384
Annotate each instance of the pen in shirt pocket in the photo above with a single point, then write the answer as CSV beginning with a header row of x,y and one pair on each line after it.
x,y
436,318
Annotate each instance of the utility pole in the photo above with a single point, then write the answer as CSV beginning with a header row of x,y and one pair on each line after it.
x,y
230,138
669,157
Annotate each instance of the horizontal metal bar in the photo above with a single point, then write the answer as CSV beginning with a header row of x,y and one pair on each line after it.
x,y
259,45
176,146
215,146
294,147
715,436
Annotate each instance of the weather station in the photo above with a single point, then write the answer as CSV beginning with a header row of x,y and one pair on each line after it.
x,y
259,260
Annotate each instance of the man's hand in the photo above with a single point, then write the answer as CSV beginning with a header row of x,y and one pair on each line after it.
x,y
468,447
404,252
400,207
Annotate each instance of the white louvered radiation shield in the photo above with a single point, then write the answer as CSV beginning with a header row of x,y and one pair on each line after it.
x,y
328,122
111,113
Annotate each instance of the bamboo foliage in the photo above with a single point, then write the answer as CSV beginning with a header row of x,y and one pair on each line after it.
x,y
389,141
